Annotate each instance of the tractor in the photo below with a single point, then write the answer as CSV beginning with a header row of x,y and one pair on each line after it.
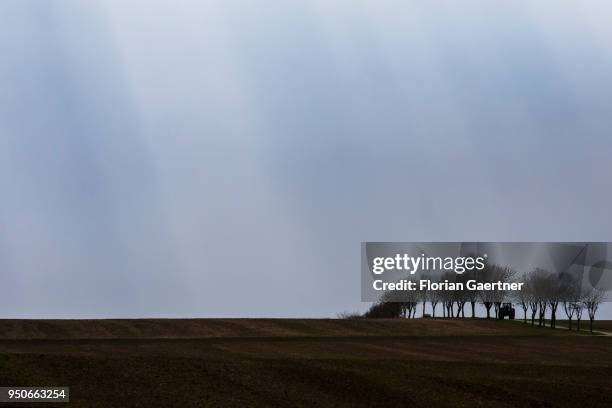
x,y
506,310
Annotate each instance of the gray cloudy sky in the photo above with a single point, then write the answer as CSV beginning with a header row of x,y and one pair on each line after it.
x,y
226,158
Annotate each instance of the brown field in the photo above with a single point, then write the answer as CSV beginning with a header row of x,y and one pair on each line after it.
x,y
307,362
603,325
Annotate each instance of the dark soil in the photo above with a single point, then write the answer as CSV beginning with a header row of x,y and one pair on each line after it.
x,y
289,363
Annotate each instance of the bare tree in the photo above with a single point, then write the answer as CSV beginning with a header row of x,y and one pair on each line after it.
x,y
539,291
467,295
486,298
494,298
450,295
533,305
557,290
409,305
592,300
472,297
569,309
460,295
434,299
542,305
424,297
578,308
446,296
522,296
530,296
571,296
409,301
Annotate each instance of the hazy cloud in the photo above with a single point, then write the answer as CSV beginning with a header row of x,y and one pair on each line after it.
x,y
227,158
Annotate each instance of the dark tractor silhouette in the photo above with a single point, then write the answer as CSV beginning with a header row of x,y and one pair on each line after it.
x,y
506,310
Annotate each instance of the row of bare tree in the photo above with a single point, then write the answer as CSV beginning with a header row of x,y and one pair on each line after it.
x,y
543,292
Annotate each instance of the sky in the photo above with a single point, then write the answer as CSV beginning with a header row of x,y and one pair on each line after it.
x,y
227,158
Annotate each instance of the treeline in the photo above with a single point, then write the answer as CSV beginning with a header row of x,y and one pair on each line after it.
x,y
543,292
